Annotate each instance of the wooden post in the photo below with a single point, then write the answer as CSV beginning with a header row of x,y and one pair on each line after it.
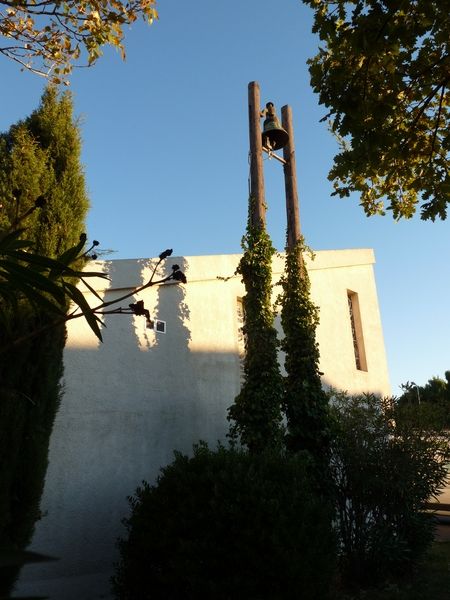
x,y
290,181
258,208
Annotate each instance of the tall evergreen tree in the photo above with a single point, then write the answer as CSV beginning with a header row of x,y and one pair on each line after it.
x,y
42,190
40,159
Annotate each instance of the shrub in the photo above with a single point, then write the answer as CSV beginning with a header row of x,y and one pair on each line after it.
x,y
384,471
427,416
226,524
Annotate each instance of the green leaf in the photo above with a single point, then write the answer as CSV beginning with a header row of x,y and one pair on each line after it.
x,y
40,301
43,262
91,289
87,311
30,277
10,241
382,75
81,274
70,255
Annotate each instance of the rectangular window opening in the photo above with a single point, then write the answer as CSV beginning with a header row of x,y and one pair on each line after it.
x,y
357,332
240,337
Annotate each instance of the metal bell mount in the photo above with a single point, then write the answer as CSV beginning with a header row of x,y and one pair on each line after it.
x,y
274,136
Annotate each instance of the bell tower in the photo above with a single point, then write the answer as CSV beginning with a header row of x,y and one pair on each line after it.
x,y
274,136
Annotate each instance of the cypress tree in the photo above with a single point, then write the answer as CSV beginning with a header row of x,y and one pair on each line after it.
x,y
41,177
40,159
61,219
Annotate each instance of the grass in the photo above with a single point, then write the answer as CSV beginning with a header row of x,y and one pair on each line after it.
x,y
431,581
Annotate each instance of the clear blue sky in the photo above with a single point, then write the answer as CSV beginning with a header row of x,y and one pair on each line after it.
x,y
165,151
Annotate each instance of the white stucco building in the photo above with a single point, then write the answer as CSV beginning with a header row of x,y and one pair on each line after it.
x,y
129,402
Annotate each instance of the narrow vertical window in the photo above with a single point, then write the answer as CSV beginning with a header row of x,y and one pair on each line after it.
x,y
357,332
240,336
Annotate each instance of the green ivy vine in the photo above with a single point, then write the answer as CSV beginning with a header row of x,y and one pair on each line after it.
x,y
256,415
304,401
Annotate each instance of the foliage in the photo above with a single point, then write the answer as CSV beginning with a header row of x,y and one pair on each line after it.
x,y
384,471
49,36
424,415
29,399
48,285
431,580
305,402
432,399
227,524
256,413
42,183
40,288
437,390
43,200
383,73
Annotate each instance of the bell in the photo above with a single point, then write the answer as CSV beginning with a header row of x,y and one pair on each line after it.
x,y
274,136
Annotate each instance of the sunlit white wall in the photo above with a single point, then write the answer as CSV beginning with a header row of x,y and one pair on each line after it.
x,y
133,399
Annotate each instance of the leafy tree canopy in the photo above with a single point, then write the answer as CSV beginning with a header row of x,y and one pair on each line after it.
x,y
383,72
428,403
48,37
435,391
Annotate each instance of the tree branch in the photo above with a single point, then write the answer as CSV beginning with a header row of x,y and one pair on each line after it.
x,y
425,103
438,119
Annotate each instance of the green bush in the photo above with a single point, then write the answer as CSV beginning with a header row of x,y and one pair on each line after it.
x,y
225,525
427,416
384,470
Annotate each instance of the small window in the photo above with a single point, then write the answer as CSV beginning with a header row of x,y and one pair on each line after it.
x,y
357,332
160,326
156,325
240,336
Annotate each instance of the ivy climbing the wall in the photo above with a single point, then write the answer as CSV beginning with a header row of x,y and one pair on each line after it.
x,y
304,401
256,413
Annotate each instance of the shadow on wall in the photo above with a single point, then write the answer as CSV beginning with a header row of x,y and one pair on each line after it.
x,y
170,307
127,405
